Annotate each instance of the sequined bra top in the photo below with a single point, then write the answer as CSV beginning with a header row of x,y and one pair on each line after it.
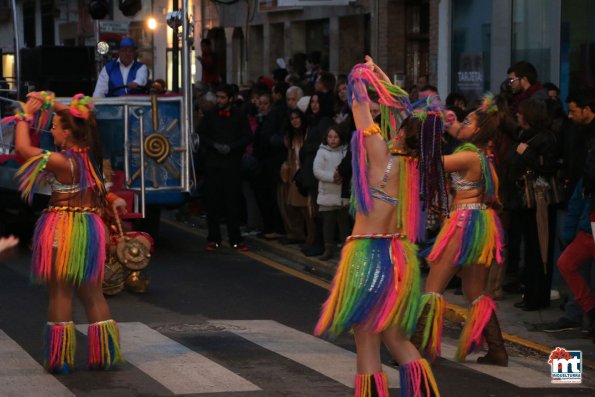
x,y
378,192
59,187
461,184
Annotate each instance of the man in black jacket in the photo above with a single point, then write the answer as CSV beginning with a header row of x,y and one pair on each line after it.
x,y
224,134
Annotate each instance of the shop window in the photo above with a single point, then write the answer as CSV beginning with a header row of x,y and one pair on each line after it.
x,y
577,49
471,49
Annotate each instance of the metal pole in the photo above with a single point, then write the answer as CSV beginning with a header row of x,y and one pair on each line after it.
x,y
186,87
175,49
17,47
141,145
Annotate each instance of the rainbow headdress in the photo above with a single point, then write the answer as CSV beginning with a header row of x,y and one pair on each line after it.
x,y
376,286
59,347
104,345
40,121
471,339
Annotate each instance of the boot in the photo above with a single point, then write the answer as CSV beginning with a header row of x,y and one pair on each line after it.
x,y
371,385
104,345
429,324
328,252
496,351
59,347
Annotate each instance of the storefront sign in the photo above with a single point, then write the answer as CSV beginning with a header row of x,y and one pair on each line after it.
x,y
113,27
285,5
469,78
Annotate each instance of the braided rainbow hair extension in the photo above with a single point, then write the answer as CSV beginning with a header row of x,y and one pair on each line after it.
x,y
90,175
432,178
42,119
410,217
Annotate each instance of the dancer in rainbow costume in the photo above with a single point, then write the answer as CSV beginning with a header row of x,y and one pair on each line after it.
x,y
470,241
69,241
376,288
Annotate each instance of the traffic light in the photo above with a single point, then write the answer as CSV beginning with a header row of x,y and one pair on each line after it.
x,y
98,8
129,7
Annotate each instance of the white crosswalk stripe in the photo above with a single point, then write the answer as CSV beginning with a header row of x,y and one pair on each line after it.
x,y
176,367
312,352
184,371
21,375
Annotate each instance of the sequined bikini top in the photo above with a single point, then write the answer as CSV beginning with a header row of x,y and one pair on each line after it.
x,y
461,184
378,192
59,187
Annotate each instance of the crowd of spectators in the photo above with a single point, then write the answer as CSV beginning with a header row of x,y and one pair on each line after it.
x,y
292,167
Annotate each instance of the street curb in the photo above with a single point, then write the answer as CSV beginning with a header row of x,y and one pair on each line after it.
x,y
454,313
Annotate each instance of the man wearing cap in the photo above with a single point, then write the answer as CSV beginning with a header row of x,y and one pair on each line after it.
x,y
122,76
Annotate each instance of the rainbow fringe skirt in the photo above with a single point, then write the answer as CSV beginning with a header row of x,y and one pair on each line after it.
x,y
376,286
477,231
69,245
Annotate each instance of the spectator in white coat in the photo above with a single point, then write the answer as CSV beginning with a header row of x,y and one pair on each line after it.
x,y
333,208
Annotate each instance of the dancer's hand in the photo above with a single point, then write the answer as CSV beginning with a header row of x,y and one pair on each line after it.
x,y
6,244
119,206
376,69
33,104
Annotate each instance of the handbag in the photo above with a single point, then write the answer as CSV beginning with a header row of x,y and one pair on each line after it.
x,y
530,183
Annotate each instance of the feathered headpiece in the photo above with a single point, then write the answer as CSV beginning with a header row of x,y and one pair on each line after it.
x,y
81,106
488,105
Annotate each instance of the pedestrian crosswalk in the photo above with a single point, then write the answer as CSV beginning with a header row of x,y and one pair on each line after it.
x,y
184,371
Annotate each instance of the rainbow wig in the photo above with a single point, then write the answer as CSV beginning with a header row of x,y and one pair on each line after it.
x,y
104,345
471,339
359,297
432,308
59,347
371,385
417,380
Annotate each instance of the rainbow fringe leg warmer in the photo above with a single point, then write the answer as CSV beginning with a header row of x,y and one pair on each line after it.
x,y
104,345
431,322
59,347
417,380
471,339
371,385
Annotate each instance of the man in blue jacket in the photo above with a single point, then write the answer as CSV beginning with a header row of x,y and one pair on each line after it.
x,y
122,76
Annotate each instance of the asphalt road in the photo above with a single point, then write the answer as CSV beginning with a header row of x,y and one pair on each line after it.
x,y
223,324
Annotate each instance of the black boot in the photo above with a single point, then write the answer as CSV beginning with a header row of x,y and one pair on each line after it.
x,y
496,351
328,252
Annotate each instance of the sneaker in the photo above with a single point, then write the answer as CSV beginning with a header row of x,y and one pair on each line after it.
x,y
212,246
562,324
240,247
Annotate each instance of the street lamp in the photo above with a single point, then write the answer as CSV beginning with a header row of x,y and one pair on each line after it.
x,y
152,23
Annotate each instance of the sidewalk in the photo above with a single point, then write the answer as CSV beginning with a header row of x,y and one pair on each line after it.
x,y
517,325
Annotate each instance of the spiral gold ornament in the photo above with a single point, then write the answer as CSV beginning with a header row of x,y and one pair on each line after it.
x,y
157,147
133,253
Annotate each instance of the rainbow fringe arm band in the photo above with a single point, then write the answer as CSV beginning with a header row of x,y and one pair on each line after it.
x,y
376,286
433,307
471,339
371,385
417,380
477,233
30,174
69,243
488,174
104,345
59,347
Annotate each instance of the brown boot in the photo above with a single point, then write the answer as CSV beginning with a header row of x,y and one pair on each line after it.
x,y
418,335
328,252
496,351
